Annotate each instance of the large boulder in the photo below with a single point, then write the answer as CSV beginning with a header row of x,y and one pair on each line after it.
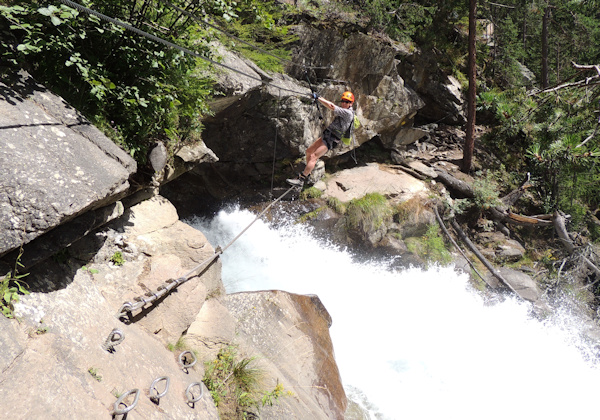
x,y
290,335
54,165
57,352
271,116
246,127
442,93
367,66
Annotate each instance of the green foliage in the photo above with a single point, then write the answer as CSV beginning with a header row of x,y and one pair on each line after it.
x,y
485,191
134,88
178,346
336,205
117,258
311,192
430,247
235,384
545,135
11,287
94,373
402,20
368,213
257,25
573,27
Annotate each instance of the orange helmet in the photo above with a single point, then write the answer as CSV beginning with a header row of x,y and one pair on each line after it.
x,y
348,96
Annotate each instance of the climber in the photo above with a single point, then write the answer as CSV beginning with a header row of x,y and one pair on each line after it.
x,y
344,116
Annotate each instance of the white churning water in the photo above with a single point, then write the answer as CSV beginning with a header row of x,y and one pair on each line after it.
x,y
418,344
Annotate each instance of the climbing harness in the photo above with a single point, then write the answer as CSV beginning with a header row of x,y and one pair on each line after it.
x,y
115,337
155,396
190,396
139,302
128,408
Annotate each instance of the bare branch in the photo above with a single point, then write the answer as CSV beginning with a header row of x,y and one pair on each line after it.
x,y
586,67
591,136
479,255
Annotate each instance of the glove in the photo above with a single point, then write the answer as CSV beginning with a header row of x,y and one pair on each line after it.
x,y
315,96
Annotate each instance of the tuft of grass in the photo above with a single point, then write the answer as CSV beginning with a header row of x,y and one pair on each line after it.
x,y
368,213
178,346
235,385
311,192
336,205
408,210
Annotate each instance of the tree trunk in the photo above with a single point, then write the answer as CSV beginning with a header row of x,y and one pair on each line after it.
x,y
470,129
545,83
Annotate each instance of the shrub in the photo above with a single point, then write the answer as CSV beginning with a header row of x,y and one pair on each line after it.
x,y
133,88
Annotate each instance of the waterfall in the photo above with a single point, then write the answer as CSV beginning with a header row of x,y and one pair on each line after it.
x,y
417,344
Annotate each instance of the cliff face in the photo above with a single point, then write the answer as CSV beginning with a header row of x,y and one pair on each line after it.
x,y
54,165
61,350
65,187
58,352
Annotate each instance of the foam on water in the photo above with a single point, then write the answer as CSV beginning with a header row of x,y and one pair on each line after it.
x,y
417,344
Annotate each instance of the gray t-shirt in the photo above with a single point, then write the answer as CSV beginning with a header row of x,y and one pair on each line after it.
x,y
342,120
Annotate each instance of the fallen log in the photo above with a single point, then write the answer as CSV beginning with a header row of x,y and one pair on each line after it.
x,y
499,213
479,255
410,171
518,219
445,230
455,184
561,230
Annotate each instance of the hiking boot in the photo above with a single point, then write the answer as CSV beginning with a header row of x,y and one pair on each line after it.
x,y
298,181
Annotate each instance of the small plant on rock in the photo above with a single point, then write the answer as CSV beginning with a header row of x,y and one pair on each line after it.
x,y
11,288
430,246
235,385
94,373
117,258
485,191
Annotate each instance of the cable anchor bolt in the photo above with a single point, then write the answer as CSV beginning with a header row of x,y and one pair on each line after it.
x,y
155,396
128,408
115,337
190,396
184,360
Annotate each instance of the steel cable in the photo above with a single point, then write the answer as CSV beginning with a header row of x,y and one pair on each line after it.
x,y
141,301
172,45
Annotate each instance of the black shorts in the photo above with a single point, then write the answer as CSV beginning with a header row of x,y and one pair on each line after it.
x,y
330,139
